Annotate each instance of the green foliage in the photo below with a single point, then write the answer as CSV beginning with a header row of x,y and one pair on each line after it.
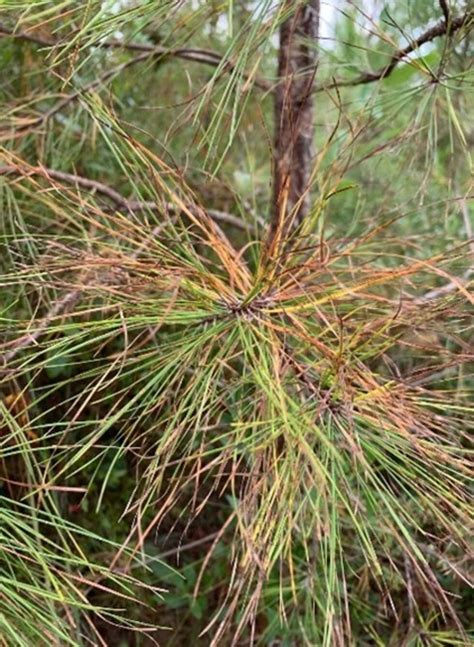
x,y
46,580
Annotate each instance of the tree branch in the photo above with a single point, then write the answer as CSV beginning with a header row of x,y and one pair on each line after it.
x,y
121,202
444,290
443,27
195,54
71,298
214,59
69,98
62,305
445,9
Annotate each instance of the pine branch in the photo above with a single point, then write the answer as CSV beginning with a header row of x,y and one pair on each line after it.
x,y
442,28
447,26
194,54
44,117
445,9
71,298
62,305
119,201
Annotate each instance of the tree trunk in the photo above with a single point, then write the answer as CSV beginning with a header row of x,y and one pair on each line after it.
x,y
294,131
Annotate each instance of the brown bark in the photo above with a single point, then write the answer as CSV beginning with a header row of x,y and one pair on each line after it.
x,y
294,131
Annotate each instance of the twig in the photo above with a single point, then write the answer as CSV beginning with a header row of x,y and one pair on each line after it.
x,y
445,9
454,285
443,27
195,54
60,307
189,546
121,202
447,26
444,289
209,57
44,117
293,109
67,301
71,298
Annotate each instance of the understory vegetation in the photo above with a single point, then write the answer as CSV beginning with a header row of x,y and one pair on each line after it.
x,y
236,378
